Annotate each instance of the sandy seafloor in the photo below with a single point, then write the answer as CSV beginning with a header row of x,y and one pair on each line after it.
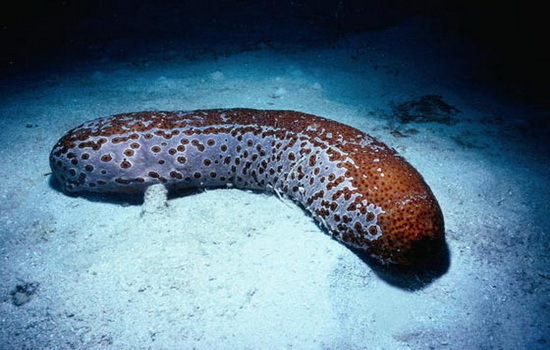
x,y
231,269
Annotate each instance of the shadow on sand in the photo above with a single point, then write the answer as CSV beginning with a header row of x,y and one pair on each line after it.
x,y
414,277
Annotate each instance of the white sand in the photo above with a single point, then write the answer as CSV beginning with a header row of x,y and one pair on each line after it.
x,y
229,269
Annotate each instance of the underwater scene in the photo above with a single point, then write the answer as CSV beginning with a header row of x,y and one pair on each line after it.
x,y
237,174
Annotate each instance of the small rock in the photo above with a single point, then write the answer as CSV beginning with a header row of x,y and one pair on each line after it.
x,y
217,75
428,108
23,293
279,92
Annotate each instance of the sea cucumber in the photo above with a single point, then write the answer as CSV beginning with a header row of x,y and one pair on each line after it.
x,y
360,190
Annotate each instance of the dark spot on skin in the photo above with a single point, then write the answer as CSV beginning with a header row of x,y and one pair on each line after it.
x,y
372,230
176,175
200,146
370,216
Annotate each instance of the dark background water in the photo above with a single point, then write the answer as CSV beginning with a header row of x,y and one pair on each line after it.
x,y
37,34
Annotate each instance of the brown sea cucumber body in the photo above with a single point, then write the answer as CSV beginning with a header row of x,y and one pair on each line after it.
x,y
359,189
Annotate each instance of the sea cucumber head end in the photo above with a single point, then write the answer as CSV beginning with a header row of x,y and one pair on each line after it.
x,y
414,234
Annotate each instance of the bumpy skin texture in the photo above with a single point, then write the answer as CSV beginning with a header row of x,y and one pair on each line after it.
x,y
359,189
